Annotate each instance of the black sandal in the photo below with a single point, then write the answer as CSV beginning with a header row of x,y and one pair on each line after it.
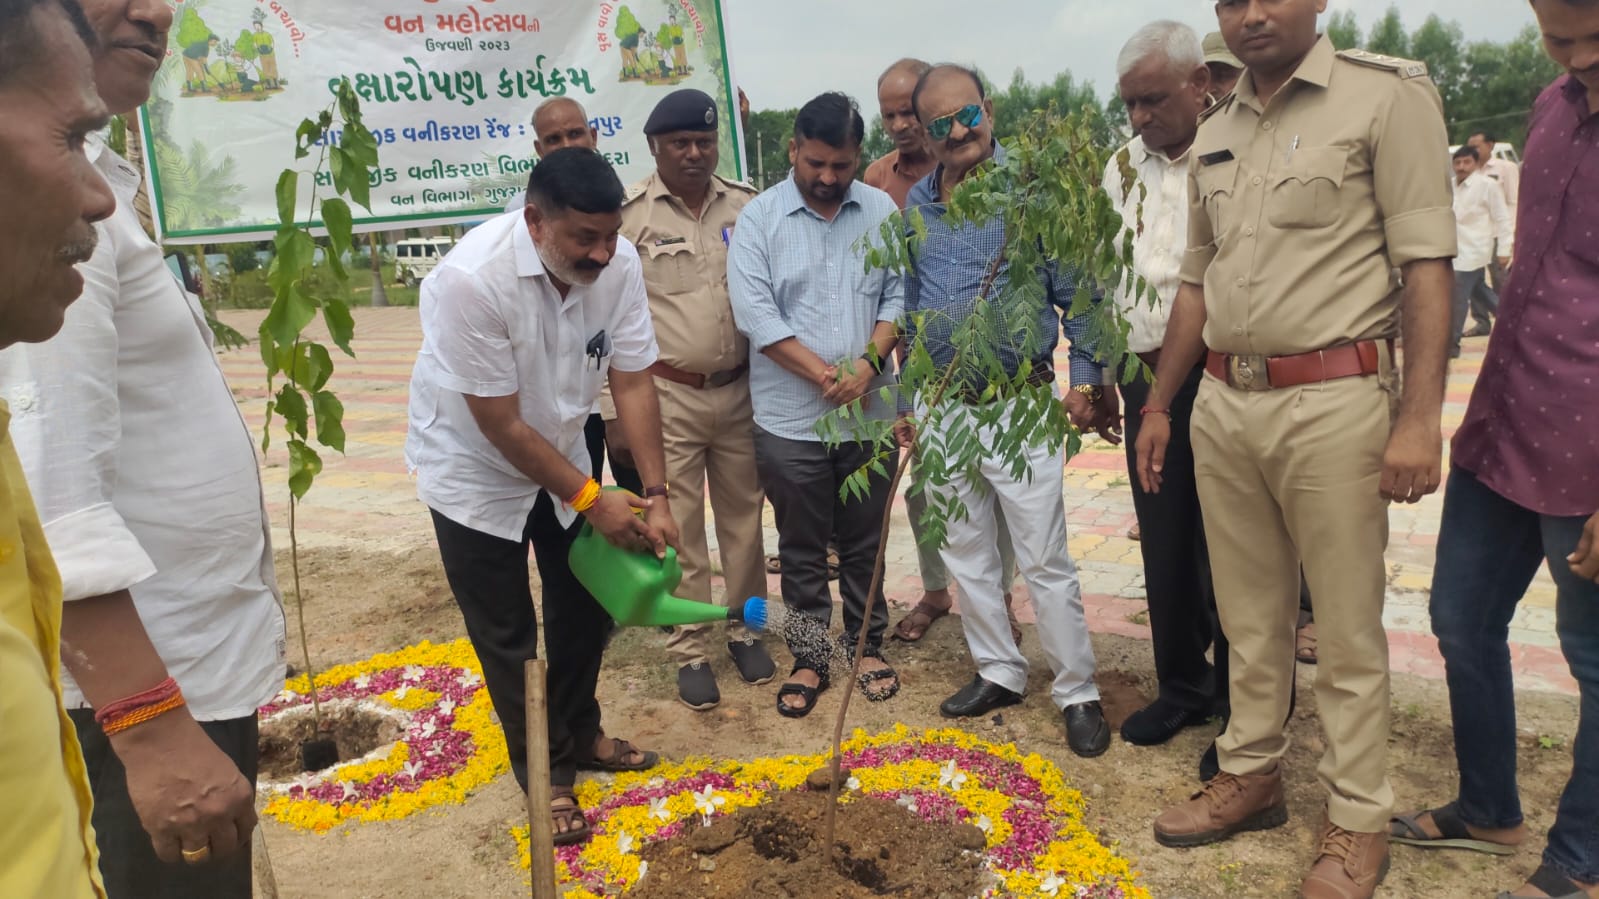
x,y
1552,882
1452,833
577,824
867,678
808,694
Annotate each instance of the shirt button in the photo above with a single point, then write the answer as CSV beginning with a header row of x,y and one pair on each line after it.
x,y
1266,125
1241,282
1249,232
1238,332
1255,180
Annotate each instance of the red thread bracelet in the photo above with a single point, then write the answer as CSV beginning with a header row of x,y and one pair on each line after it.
x,y
157,694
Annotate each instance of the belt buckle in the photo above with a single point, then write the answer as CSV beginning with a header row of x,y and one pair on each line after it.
x,y
1248,372
721,378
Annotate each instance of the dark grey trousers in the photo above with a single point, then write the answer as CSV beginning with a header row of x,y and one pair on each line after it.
x,y
802,479
127,859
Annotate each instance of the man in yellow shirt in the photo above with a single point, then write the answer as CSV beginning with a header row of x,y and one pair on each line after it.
x,y
48,106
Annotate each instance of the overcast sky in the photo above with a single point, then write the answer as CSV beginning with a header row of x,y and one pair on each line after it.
x,y
784,53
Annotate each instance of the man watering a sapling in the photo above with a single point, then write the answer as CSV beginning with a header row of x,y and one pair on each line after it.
x,y
521,325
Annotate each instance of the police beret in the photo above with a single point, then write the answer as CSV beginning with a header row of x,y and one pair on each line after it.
x,y
682,110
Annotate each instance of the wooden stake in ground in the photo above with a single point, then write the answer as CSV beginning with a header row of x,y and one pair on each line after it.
x,y
265,881
540,829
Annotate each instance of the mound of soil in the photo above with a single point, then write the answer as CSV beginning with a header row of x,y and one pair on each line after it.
x,y
775,851
355,730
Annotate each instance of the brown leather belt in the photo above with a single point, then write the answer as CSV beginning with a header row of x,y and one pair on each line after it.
x,y
1253,372
697,380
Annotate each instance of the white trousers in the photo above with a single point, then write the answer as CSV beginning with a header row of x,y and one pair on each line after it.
x,y
1036,514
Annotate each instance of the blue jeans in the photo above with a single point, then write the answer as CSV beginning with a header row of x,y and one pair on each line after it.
x,y
1489,549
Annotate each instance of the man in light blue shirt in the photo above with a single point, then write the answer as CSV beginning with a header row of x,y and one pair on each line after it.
x,y
819,326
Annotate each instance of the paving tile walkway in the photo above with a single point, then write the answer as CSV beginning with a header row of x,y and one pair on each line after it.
x,y
366,499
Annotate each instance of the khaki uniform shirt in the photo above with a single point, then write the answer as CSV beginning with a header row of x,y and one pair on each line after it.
x,y
685,271
1301,209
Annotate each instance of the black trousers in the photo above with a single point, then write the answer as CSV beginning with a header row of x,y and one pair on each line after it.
x,y
802,479
127,859
1182,602
594,436
489,577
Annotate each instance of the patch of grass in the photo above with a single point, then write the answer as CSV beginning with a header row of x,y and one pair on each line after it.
x,y
1141,618
1120,482
1228,875
1550,743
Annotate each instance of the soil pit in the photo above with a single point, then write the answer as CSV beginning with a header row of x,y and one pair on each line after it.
x,y
355,729
775,851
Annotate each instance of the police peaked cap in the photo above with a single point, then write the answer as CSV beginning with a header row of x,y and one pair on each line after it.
x,y
682,110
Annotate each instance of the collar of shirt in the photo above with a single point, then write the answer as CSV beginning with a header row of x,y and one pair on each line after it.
x,y
658,191
794,201
1315,69
925,193
119,173
1160,237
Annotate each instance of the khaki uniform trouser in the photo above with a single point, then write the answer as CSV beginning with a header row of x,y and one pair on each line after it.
x,y
1285,476
709,435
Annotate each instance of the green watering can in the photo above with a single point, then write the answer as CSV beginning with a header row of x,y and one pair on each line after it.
x,y
636,588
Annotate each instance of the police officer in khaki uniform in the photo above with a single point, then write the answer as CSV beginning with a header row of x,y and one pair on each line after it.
x,y
1318,177
680,218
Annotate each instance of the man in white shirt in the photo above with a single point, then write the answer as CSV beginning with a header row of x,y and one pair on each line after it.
x,y
1507,175
562,122
1164,82
521,323
147,483
1482,221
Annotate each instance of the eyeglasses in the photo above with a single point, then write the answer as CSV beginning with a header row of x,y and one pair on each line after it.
x,y
969,116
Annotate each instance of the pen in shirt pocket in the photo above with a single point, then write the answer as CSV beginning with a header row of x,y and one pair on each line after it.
x,y
1292,146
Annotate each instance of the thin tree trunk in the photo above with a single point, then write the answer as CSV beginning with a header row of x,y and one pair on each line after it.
x,y
380,295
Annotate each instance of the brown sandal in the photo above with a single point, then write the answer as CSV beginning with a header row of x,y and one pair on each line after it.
x,y
914,625
1305,644
569,816
620,750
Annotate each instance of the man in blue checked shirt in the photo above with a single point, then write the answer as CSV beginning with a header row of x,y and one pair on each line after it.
x,y
952,268
819,325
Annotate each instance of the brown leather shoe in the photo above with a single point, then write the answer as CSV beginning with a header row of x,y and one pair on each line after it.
x,y
1349,865
1229,804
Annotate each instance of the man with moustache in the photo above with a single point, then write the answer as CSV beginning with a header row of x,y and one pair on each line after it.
x,y
681,219
951,269
1515,504
1163,81
522,323
152,503
820,325
896,173
48,109
563,122
1321,173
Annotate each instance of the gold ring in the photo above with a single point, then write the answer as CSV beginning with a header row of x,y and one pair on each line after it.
x,y
196,856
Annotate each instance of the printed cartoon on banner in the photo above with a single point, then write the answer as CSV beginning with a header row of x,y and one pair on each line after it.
x,y
448,87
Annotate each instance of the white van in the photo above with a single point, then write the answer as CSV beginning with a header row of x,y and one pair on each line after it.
x,y
416,256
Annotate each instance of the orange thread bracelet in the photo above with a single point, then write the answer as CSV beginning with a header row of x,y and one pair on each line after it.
x,y
167,688
586,497
142,714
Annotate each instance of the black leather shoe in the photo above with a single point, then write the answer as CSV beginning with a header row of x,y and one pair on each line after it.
x,y
1209,764
753,662
696,687
978,698
1158,722
1086,731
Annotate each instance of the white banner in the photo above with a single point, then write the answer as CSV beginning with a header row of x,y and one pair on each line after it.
x,y
447,86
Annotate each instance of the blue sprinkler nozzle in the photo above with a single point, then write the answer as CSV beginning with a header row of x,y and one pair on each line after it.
x,y
753,614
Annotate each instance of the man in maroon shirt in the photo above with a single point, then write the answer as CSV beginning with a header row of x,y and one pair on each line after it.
x,y
1525,486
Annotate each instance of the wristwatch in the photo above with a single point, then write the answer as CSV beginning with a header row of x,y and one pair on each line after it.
x,y
1094,392
657,490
